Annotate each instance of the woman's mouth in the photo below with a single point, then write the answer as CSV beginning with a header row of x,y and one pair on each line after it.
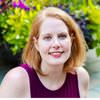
x,y
56,54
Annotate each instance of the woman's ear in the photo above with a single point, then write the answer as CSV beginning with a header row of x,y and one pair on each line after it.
x,y
36,43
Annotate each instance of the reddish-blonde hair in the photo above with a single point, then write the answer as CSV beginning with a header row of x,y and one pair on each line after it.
x,y
78,51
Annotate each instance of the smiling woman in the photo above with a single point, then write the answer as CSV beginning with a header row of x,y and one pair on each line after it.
x,y
55,41
53,60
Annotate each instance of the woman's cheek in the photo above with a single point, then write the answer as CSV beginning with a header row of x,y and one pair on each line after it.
x,y
67,45
44,47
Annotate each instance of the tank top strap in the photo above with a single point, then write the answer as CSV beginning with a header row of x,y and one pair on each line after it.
x,y
32,76
72,84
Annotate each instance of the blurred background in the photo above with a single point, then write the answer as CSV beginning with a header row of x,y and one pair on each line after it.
x,y
15,22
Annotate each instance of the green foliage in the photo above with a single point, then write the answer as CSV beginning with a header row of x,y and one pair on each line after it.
x,y
93,12
3,26
16,23
19,22
41,2
98,51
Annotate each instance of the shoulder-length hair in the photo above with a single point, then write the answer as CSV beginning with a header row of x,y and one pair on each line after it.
x,y
78,51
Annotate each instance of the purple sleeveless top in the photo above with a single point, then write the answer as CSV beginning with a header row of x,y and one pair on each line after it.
x,y
37,90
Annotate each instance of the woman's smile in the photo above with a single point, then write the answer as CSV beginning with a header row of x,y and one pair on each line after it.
x,y
56,54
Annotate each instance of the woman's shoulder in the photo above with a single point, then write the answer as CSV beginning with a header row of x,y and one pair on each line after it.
x,y
82,74
16,81
83,80
16,73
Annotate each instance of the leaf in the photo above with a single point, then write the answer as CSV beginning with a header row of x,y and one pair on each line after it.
x,y
98,51
38,6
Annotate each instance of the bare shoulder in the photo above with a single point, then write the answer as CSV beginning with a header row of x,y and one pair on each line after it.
x,y
83,74
16,81
83,80
17,72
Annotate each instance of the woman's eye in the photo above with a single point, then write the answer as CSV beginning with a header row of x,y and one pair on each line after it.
x,y
47,38
62,36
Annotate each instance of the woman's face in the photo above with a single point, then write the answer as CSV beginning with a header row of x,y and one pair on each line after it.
x,y
54,42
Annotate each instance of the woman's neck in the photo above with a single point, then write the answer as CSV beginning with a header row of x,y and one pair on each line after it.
x,y
55,76
53,71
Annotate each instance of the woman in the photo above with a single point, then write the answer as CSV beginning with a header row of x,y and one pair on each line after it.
x,y
52,60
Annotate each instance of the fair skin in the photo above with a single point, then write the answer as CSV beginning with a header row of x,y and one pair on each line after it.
x,y
54,37
56,51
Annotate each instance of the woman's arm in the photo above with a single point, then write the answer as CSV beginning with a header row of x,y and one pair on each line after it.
x,y
83,81
15,84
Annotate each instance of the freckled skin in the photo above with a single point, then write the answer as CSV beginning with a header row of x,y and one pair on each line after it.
x,y
54,44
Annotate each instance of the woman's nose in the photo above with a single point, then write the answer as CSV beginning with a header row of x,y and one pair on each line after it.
x,y
56,44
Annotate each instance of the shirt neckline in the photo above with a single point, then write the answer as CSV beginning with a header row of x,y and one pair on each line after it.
x,y
62,86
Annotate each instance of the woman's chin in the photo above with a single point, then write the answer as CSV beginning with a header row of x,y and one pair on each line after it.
x,y
56,63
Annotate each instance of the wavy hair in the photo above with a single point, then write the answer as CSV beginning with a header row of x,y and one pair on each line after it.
x,y
78,50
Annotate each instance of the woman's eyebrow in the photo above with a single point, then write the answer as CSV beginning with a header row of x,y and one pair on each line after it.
x,y
46,34
63,33
49,34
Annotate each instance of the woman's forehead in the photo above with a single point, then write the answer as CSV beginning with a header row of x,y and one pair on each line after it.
x,y
53,25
